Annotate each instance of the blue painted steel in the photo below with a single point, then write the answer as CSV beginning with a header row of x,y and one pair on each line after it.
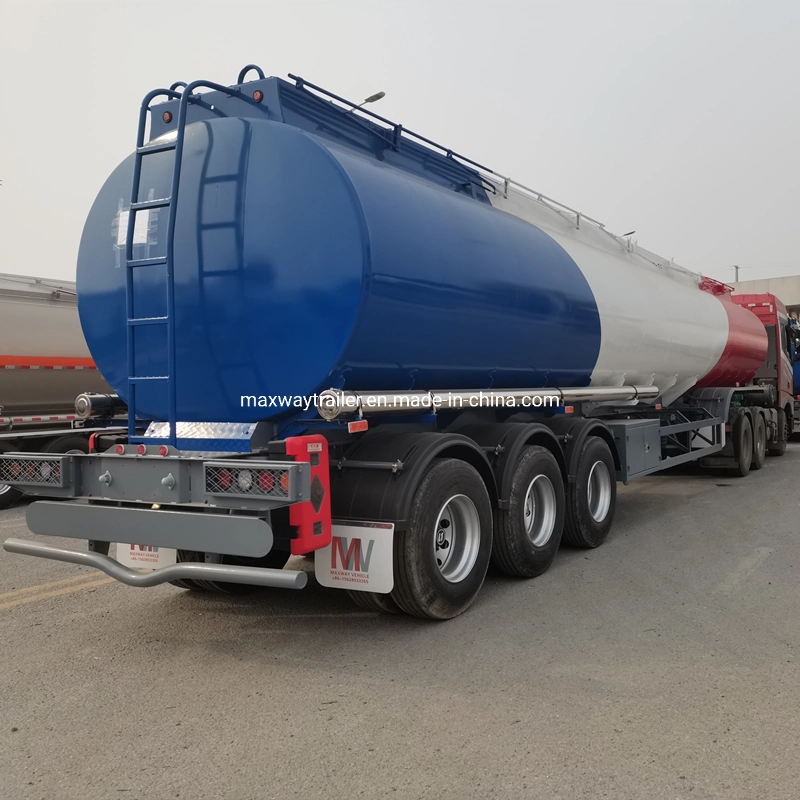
x,y
345,257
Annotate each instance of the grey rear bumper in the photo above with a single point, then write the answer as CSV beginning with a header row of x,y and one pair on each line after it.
x,y
234,535
256,576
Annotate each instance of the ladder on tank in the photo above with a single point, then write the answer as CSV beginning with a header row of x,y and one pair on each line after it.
x,y
168,259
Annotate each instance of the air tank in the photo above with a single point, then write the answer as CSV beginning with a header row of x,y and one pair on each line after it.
x,y
44,360
309,255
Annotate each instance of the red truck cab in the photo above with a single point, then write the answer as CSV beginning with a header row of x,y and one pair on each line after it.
x,y
777,368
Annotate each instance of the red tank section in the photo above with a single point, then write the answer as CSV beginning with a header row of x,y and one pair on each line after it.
x,y
747,342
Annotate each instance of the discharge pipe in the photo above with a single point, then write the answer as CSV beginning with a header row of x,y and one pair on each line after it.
x,y
335,403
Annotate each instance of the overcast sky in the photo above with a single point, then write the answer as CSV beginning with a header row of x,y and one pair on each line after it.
x,y
679,120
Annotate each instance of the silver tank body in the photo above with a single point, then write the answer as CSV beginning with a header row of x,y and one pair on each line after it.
x,y
44,361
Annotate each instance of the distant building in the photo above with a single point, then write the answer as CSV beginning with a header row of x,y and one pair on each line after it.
x,y
786,289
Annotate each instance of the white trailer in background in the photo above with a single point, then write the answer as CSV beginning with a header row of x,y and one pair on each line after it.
x,y
44,365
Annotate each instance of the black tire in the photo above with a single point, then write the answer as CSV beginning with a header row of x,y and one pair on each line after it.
x,y
742,445
71,443
190,556
759,442
589,518
372,601
428,582
8,494
778,448
528,533
275,559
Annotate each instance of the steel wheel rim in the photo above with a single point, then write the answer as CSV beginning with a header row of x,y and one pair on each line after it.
x,y
599,491
539,511
457,538
761,440
4,487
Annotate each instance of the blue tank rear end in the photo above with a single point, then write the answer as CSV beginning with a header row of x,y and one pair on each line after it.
x,y
311,251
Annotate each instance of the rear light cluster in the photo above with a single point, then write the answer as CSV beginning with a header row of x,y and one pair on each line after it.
x,y
253,482
141,450
39,471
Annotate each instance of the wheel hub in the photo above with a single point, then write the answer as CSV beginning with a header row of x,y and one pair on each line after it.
x,y
540,510
457,538
599,491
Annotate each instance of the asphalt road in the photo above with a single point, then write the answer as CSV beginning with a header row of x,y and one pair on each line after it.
x,y
662,665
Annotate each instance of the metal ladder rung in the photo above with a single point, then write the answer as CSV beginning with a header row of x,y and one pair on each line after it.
x,y
157,148
148,321
141,206
147,262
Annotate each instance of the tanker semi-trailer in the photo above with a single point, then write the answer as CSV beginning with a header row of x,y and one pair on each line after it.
x,y
314,304
44,365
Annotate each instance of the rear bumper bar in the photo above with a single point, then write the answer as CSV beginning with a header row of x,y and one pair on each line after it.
x,y
279,578
182,530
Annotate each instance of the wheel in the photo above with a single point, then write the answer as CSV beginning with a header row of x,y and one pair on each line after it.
x,y
8,494
190,556
778,448
72,443
742,445
372,601
592,498
527,534
275,559
759,442
442,557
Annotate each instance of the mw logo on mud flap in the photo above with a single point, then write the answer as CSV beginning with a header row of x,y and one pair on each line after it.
x,y
145,556
352,555
359,557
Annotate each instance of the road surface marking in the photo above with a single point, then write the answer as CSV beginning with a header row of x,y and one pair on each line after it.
x,y
747,566
67,590
42,586
12,523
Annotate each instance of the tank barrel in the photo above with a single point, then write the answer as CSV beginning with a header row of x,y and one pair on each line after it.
x,y
507,289
44,359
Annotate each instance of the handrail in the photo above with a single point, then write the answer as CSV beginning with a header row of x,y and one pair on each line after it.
x,y
505,182
399,129
186,97
244,70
